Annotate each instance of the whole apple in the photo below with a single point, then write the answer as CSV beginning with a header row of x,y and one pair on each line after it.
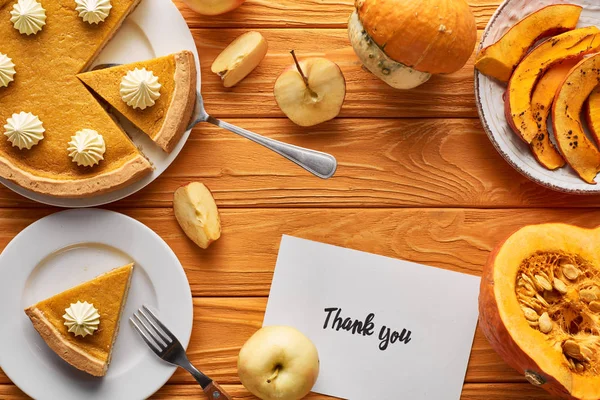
x,y
278,363
213,7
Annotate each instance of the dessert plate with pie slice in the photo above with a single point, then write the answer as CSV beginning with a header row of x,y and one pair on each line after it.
x,y
154,29
89,259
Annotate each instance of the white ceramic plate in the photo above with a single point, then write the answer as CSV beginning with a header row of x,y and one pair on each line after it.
x,y
156,28
70,247
490,105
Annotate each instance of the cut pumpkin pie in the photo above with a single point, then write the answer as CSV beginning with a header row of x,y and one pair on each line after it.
x,y
46,88
89,352
168,115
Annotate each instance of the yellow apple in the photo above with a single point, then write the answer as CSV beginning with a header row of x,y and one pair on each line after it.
x,y
196,211
311,91
240,58
278,363
213,7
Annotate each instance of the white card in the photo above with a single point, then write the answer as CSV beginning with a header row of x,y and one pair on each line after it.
x,y
431,315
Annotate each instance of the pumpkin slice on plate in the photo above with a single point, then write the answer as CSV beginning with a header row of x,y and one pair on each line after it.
x,y
569,45
541,104
579,151
501,58
540,310
592,113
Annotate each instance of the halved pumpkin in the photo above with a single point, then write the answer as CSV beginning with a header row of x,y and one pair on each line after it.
x,y
500,59
541,105
539,307
592,113
569,45
581,154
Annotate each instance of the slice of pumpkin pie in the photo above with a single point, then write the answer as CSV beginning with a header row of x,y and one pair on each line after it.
x,y
158,96
82,323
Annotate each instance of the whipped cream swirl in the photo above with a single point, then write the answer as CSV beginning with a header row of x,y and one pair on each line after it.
x,y
82,319
24,130
140,88
93,11
87,148
28,17
7,70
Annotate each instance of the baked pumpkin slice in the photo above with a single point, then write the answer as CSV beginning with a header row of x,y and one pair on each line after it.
x,y
501,58
166,117
541,103
45,87
592,113
88,351
570,45
579,151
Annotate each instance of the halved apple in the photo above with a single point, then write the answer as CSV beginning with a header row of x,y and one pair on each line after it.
x,y
569,45
311,91
213,7
197,213
592,113
541,105
501,58
240,58
578,150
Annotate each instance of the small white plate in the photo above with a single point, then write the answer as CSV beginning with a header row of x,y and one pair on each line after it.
x,y
156,28
490,105
70,247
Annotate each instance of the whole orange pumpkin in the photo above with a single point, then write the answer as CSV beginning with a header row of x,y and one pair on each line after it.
x,y
404,42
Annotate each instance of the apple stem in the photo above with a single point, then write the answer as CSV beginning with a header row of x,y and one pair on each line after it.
x,y
273,376
312,93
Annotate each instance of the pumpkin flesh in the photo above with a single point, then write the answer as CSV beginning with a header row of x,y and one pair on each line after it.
x,y
541,105
501,58
545,251
581,154
569,45
592,113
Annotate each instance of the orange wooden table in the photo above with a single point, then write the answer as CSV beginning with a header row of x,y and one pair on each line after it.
x,y
417,180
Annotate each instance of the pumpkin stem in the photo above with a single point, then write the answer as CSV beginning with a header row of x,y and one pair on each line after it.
x,y
312,93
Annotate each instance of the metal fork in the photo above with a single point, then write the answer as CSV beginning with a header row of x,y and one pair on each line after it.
x,y
318,163
166,346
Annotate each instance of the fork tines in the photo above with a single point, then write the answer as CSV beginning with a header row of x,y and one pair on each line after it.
x,y
155,333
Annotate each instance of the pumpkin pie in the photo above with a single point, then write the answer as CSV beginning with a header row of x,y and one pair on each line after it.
x,y
90,353
46,86
169,117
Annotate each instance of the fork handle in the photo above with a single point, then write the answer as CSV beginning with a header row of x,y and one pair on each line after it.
x,y
214,392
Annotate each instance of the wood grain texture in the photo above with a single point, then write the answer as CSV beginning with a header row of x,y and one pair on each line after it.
x,y
255,14
505,391
366,96
382,163
242,261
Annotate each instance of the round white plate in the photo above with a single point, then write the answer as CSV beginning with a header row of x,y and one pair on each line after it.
x,y
156,28
63,250
490,105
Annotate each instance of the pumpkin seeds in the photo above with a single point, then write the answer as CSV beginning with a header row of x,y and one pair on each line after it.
x,y
572,349
595,306
579,367
570,272
543,282
530,314
560,286
545,323
587,295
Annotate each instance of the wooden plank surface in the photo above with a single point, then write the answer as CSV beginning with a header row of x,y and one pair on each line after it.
x,y
382,163
504,391
257,14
